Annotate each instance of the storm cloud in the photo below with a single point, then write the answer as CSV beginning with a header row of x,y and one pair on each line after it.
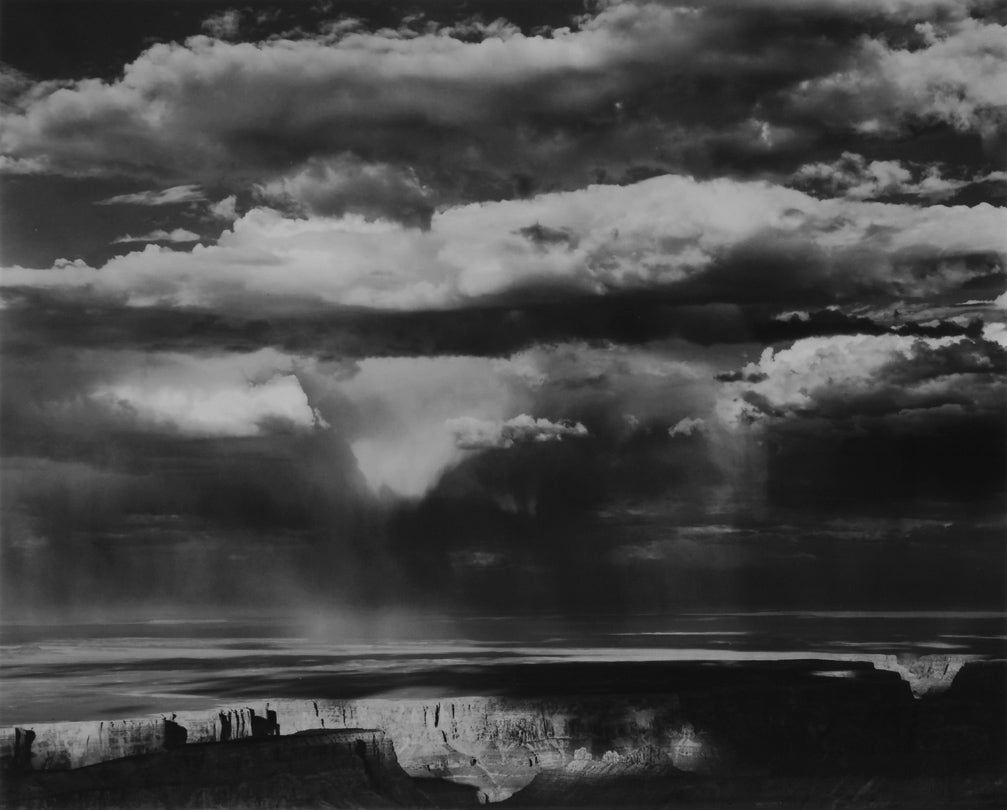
x,y
605,306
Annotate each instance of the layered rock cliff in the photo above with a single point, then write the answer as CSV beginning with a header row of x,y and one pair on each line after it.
x,y
925,674
711,725
349,768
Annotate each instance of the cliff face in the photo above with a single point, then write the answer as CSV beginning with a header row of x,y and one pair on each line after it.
x,y
62,746
925,674
499,745
711,724
350,768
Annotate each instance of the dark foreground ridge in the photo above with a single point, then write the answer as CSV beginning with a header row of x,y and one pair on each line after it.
x,y
344,768
805,736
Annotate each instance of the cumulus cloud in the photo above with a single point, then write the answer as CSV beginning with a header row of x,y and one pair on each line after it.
x,y
225,209
231,411
699,241
854,176
423,327
996,333
209,396
477,434
170,196
161,235
458,99
872,375
214,97
224,25
338,186
689,426
957,77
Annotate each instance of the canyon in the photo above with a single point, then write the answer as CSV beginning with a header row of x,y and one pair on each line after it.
x,y
697,732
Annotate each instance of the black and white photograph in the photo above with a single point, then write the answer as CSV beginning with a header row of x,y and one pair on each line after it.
x,y
530,403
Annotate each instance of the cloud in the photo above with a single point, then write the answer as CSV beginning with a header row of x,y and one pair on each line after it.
x,y
339,186
160,235
224,25
475,112
694,241
234,411
996,333
206,394
411,421
15,166
842,376
170,196
225,209
687,427
393,412
476,434
957,77
208,397
854,177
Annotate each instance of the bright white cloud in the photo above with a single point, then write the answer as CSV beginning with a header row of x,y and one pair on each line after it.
x,y
225,209
660,232
216,396
959,77
995,333
874,374
399,410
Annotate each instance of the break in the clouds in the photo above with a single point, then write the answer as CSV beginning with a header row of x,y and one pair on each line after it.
x,y
604,306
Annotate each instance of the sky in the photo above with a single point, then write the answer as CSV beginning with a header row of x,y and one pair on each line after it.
x,y
476,306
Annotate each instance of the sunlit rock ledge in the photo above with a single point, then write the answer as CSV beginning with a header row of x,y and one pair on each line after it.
x,y
926,674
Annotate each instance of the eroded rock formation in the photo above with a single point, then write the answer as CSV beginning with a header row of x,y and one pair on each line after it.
x,y
715,724
348,768
925,674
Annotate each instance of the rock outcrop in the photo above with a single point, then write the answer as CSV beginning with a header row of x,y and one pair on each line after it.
x,y
348,768
925,674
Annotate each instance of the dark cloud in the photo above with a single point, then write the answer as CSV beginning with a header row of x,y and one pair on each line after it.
x,y
35,320
604,95
632,305
542,235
